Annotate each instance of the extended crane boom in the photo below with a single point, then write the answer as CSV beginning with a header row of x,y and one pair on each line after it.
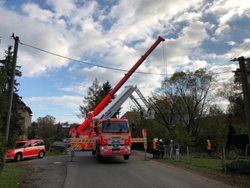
x,y
109,96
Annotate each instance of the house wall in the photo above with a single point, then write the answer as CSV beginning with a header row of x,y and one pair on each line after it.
x,y
26,123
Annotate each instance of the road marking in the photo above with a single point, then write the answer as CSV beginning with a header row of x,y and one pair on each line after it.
x,y
57,162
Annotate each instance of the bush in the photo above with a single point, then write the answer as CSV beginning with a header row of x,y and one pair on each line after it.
x,y
2,156
234,154
239,166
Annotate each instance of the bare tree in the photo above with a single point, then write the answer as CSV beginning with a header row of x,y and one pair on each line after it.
x,y
182,99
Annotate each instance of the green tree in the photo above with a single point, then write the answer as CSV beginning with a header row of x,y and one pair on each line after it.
x,y
47,129
5,79
16,121
46,126
232,92
182,101
214,128
32,131
90,101
215,110
3,111
94,96
164,111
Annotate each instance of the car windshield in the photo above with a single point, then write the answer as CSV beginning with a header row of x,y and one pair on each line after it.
x,y
20,145
115,127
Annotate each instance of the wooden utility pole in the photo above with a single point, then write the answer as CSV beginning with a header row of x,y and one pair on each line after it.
x,y
12,81
246,90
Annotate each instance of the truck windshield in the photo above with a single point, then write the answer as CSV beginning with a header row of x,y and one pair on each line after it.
x,y
115,127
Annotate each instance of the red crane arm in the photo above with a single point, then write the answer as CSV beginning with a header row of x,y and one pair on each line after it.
x,y
109,96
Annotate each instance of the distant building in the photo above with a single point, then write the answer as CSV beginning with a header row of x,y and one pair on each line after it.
x,y
26,114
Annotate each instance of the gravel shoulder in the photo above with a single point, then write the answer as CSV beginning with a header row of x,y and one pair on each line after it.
x,y
48,172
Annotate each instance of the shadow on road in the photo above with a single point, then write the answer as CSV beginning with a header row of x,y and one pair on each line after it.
x,y
111,160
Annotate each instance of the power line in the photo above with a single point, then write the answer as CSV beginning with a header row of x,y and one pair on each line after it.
x,y
106,67
164,58
243,50
221,72
85,62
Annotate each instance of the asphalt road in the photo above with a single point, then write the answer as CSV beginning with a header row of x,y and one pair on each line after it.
x,y
86,172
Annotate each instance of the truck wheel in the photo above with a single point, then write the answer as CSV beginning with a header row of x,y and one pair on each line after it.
x,y
18,157
126,157
93,152
41,154
99,158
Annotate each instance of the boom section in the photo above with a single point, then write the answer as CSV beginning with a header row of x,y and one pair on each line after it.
x,y
110,95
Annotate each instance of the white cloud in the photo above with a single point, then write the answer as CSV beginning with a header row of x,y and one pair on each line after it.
x,y
62,9
35,12
117,38
223,73
225,11
34,32
231,43
63,101
78,88
194,65
238,50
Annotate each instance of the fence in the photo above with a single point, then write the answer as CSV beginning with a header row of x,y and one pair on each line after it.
x,y
216,159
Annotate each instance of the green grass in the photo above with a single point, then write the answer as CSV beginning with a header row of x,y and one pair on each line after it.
x,y
206,163
211,168
54,152
11,176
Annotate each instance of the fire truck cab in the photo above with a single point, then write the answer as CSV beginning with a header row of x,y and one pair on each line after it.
x,y
112,138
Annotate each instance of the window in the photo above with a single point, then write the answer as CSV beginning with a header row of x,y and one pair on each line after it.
x,y
39,143
115,127
28,144
20,145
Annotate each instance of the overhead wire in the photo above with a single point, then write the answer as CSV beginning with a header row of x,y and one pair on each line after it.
x,y
107,67
242,51
221,72
85,62
164,58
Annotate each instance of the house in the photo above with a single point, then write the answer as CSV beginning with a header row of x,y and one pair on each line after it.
x,y
26,114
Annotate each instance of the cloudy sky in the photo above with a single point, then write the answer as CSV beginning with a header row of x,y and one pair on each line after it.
x,y
199,34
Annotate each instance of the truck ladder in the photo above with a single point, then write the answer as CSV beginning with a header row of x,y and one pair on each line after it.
x,y
114,106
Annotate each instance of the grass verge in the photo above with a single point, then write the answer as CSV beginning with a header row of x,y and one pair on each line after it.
x,y
54,153
11,176
211,168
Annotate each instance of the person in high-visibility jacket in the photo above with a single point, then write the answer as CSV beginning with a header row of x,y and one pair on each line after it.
x,y
155,148
154,144
209,147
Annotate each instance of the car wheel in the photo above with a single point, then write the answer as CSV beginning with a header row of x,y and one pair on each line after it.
x,y
18,157
41,154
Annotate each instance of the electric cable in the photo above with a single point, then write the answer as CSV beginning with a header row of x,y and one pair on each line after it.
x,y
106,67
85,62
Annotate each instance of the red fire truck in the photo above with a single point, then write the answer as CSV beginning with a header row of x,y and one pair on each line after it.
x,y
110,136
